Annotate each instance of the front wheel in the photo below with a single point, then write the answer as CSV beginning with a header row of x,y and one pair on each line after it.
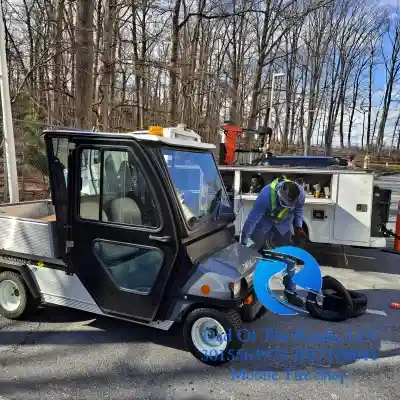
x,y
212,335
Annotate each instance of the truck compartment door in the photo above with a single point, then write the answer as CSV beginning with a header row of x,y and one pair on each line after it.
x,y
353,209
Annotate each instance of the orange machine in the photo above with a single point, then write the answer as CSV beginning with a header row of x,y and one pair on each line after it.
x,y
231,133
229,148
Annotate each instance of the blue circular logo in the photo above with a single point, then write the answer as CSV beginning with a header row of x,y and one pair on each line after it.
x,y
308,278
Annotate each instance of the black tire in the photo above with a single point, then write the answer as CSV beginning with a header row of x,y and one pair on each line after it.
x,y
230,321
26,301
333,300
343,312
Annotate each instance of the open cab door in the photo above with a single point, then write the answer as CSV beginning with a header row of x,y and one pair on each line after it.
x,y
115,220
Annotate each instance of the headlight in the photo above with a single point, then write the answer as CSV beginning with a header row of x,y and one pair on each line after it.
x,y
236,287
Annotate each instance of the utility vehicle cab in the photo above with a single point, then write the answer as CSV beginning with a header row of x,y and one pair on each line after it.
x,y
144,232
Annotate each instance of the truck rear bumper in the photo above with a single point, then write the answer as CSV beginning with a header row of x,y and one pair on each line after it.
x,y
378,242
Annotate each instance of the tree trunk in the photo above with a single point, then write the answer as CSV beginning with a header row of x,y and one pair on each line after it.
x,y
173,66
58,59
96,55
107,61
84,63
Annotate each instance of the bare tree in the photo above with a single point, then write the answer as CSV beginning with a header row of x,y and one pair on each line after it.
x,y
392,66
84,63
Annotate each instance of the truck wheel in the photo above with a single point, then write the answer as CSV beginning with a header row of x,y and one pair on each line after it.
x,y
212,335
13,295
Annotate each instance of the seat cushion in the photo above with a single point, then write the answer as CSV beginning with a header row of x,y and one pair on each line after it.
x,y
89,209
125,211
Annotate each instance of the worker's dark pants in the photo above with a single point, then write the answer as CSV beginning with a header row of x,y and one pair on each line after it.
x,y
281,240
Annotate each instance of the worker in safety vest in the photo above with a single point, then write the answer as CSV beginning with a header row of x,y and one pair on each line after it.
x,y
278,207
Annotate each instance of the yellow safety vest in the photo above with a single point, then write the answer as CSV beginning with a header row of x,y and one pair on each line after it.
x,y
284,211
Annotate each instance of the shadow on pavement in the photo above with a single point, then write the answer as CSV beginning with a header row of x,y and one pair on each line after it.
x,y
104,330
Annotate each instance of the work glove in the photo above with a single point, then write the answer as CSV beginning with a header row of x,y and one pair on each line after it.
x,y
299,232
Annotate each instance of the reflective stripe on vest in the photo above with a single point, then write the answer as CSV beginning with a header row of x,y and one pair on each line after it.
x,y
284,211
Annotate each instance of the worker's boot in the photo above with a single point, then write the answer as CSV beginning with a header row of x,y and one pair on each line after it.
x,y
294,299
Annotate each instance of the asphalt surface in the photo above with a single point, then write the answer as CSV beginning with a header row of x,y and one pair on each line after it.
x,y
66,354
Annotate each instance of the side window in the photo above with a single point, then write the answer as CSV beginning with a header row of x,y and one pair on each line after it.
x,y
89,206
113,189
60,151
131,267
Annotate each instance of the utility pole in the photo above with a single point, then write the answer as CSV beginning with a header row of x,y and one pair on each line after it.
x,y
8,131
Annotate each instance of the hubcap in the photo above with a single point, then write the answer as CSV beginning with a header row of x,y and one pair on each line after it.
x,y
9,295
209,336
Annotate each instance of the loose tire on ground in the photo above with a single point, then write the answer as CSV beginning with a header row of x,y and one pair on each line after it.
x,y
342,312
206,349
15,299
333,301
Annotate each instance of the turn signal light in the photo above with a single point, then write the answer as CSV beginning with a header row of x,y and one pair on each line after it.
x,y
156,130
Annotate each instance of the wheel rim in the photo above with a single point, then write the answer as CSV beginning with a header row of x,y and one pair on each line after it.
x,y
9,295
209,336
320,300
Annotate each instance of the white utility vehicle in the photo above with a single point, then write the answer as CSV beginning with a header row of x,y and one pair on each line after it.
x,y
343,206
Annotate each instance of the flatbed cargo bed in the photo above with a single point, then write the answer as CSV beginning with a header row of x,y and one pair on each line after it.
x,y
29,228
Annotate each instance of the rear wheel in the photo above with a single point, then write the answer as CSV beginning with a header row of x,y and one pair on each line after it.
x,y
13,295
212,335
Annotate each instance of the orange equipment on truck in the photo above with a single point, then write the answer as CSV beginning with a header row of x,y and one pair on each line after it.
x,y
229,147
231,133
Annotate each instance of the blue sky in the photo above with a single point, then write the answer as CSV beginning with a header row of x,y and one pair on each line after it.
x,y
379,85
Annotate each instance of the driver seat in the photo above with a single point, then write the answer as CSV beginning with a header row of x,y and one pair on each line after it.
x,y
124,210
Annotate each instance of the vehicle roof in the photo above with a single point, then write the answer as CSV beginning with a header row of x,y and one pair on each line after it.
x,y
298,170
138,135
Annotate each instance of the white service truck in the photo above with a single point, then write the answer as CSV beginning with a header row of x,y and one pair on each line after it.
x,y
343,206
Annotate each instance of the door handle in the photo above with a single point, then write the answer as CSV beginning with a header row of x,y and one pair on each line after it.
x,y
163,239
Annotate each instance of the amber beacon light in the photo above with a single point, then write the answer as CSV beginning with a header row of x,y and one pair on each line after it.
x,y
156,130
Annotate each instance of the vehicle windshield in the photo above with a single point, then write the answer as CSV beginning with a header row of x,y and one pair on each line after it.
x,y
198,185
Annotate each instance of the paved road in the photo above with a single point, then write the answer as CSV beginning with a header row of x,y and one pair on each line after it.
x,y
65,354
